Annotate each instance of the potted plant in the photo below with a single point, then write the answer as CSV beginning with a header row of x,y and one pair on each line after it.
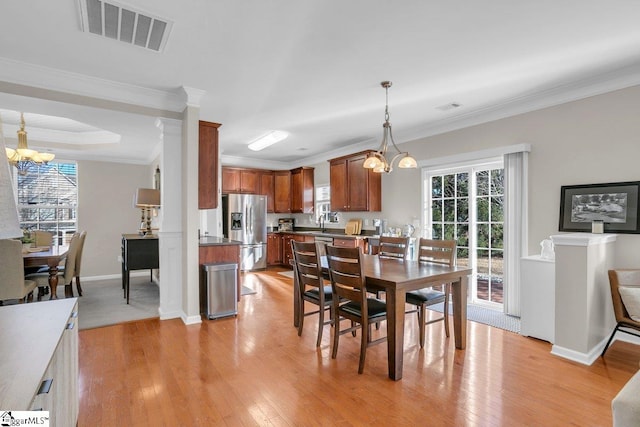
x,y
27,240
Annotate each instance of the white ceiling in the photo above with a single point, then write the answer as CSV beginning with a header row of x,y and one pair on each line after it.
x,y
311,67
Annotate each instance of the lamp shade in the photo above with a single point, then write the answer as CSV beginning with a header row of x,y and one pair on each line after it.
x,y
9,222
147,197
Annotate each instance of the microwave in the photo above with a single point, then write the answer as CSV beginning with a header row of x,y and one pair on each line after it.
x,y
286,224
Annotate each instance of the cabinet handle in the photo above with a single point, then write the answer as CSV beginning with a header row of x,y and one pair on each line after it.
x,y
70,325
45,387
74,314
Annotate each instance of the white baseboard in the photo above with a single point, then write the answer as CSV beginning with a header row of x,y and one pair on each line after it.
x,y
576,356
137,273
191,320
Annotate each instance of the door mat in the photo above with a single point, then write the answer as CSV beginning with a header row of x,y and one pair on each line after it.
x,y
494,318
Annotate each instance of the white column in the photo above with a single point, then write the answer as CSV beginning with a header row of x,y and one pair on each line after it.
x,y
190,213
171,234
583,298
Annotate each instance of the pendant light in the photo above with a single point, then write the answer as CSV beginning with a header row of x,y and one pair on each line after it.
x,y
378,159
23,157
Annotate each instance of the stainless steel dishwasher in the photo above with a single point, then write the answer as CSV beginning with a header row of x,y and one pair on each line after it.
x,y
222,289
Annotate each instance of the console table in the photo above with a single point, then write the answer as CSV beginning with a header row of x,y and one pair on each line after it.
x,y
138,253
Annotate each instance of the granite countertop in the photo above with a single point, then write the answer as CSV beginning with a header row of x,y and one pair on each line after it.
x,y
331,233
217,241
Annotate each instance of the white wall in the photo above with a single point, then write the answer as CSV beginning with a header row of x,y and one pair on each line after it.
x,y
594,140
106,211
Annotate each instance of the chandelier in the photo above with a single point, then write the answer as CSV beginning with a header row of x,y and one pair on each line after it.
x,y
378,159
23,157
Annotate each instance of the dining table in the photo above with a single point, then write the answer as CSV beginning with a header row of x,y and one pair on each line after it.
x,y
396,278
47,256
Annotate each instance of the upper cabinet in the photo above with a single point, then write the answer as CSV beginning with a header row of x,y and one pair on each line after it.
x,y
354,188
237,180
287,191
267,188
302,190
282,190
208,165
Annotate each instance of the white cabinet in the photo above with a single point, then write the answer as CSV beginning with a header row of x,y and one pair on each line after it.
x,y
537,297
39,370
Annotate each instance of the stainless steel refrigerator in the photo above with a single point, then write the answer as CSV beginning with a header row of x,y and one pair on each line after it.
x,y
245,220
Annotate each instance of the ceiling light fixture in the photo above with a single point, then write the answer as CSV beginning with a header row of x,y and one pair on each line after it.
x,y
267,140
23,157
378,159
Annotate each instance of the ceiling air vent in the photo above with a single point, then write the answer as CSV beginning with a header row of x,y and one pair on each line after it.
x,y
124,23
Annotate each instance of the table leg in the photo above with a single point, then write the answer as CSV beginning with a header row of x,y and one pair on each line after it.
x,y
395,332
53,281
126,284
459,294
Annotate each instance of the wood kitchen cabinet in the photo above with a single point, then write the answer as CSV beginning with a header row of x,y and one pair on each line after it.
x,y
267,189
287,253
302,190
286,191
282,191
274,249
237,180
354,188
208,165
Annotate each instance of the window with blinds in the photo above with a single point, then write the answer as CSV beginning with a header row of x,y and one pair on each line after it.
x,y
48,198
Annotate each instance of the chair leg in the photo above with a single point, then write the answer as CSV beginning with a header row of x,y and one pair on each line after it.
x,y
364,341
68,290
610,338
336,335
320,325
78,286
422,318
301,319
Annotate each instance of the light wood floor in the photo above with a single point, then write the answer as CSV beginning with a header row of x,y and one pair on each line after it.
x,y
255,370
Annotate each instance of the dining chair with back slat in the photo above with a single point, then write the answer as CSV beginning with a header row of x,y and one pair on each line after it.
x,y
350,299
394,247
436,252
306,256
12,281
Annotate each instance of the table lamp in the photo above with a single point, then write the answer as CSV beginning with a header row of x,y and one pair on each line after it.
x,y
146,199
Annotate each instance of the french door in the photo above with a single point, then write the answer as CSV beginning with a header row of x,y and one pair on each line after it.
x,y
466,204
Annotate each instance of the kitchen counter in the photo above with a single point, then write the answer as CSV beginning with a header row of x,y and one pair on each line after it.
x,y
217,241
327,233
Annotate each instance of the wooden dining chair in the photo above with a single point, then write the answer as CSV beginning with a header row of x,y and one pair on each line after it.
x,y
67,274
13,285
350,299
435,252
311,285
394,247
624,322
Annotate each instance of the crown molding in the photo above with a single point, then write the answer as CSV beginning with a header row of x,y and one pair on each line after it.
x,y
37,76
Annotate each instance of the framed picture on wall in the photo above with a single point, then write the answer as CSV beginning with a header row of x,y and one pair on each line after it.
x,y
616,204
